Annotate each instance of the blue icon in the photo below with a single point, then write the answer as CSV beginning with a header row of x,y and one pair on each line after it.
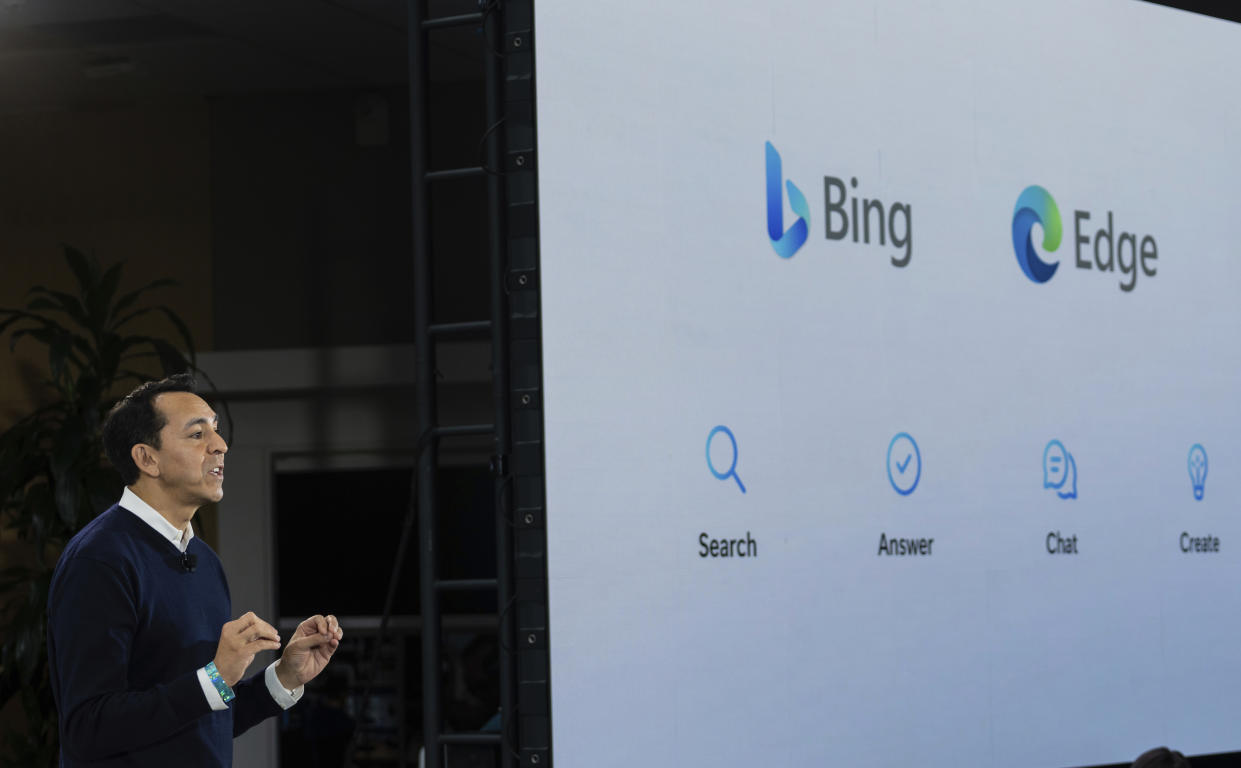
x,y
785,242
904,464
1059,470
1035,205
1198,470
732,468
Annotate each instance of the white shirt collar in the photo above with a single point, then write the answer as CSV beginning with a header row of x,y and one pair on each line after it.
x,y
148,515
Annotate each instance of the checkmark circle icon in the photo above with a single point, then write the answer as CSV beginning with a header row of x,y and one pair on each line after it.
x,y
904,463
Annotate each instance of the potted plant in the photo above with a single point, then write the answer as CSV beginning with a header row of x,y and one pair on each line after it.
x,y
54,477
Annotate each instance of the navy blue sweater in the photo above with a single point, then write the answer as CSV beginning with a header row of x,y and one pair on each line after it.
x,y
128,629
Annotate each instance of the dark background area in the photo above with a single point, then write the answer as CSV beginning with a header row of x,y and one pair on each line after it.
x,y
373,503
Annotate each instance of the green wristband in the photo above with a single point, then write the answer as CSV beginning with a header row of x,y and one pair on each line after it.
x,y
226,693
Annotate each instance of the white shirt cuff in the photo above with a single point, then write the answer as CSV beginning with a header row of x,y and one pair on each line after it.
x,y
283,696
213,696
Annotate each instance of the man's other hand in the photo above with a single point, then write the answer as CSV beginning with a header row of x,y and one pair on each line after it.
x,y
240,640
308,652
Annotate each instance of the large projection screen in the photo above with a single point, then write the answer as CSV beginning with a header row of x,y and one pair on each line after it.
x,y
891,381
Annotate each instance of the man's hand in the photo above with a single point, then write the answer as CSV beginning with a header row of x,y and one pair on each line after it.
x,y
240,640
309,651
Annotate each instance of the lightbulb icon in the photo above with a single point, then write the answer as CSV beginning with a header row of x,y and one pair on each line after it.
x,y
1198,469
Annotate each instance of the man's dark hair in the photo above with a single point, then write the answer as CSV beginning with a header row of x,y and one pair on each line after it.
x,y
1161,757
135,420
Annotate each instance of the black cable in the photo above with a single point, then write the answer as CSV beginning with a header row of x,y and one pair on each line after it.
x,y
508,717
488,7
502,485
482,149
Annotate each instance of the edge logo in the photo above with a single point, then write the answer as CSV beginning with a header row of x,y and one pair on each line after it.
x,y
1035,205
784,242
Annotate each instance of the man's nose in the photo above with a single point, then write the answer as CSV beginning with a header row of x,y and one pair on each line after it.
x,y
219,446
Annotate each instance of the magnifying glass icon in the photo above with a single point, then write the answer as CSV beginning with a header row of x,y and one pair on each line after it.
x,y
732,468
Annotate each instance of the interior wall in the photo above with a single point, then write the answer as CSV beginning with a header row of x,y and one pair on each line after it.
x,y
125,185
311,222
310,194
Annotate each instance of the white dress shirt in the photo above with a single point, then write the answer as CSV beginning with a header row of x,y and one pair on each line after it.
x,y
181,540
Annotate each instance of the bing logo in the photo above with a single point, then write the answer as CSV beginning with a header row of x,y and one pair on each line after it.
x,y
784,242
846,216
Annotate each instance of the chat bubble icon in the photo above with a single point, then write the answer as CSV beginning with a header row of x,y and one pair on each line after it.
x,y
1059,470
1055,465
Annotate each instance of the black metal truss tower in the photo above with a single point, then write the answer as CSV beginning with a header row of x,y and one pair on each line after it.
x,y
513,330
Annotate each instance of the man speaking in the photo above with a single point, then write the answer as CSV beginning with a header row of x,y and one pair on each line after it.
x,y
146,666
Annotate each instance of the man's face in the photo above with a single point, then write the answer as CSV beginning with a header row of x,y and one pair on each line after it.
x,y
191,451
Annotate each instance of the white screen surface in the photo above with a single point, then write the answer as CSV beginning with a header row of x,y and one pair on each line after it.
x,y
668,311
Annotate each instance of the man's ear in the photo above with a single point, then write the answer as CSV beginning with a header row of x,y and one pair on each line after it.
x,y
146,459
